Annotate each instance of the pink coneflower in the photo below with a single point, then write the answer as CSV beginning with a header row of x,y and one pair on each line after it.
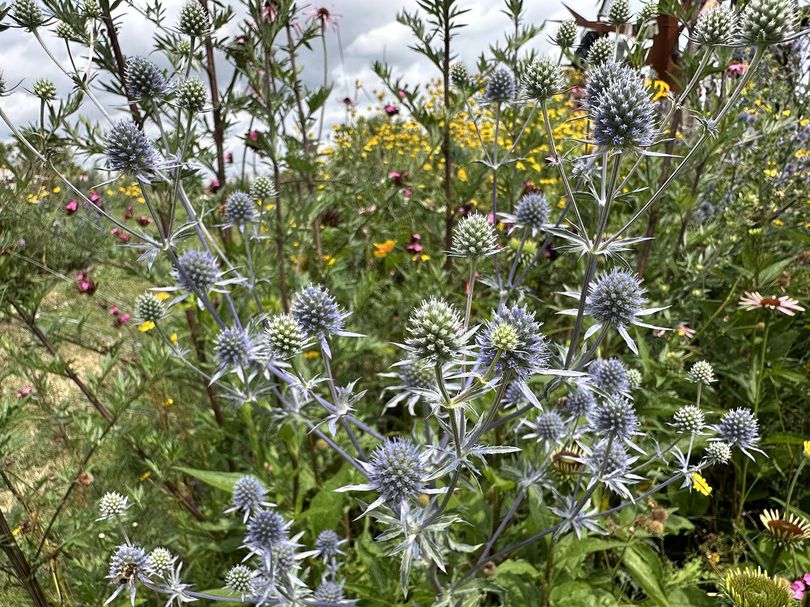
x,y
402,93
24,391
736,69
407,192
398,177
782,303
685,331
798,589
95,198
324,16
391,109
72,207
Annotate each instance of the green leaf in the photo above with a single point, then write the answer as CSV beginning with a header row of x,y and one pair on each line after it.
x,y
784,438
643,565
219,480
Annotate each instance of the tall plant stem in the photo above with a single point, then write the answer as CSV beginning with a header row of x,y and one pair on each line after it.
x,y
20,565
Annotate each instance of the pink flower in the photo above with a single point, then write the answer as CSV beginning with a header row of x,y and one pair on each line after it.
x,y
253,135
129,213
322,15
402,93
72,207
736,69
85,283
214,185
144,220
782,303
806,579
685,331
114,311
24,391
94,197
121,320
391,109
229,157
798,589
407,192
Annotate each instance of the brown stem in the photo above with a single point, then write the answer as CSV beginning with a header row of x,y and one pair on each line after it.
x,y
120,64
219,124
194,329
20,564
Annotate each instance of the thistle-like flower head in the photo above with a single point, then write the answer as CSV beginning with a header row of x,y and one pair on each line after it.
x,y
717,453
266,529
603,49
612,460
397,470
649,11
416,375
609,375
149,308
317,312
619,12
542,80
28,14
284,336
240,209
240,579
566,34
688,420
634,378
600,75
702,373
500,87
161,561
191,95
580,402
615,417
263,188
739,428
623,115
194,19
44,89
460,76
128,564
197,271
112,505
528,354
249,496
532,211
329,593
129,151
764,22
233,347
435,331
474,237
718,26
328,544
753,588
616,297
144,79
547,428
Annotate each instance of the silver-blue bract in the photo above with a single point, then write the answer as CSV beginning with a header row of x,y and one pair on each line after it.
x,y
501,87
317,312
128,564
197,271
609,375
397,470
530,354
614,417
329,593
265,530
129,151
240,209
249,496
623,114
548,426
435,331
599,76
532,211
616,297
144,79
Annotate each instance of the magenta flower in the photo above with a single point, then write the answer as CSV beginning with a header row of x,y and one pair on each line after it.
x,y
24,391
85,283
736,69
214,185
72,207
407,192
144,220
229,157
798,589
391,109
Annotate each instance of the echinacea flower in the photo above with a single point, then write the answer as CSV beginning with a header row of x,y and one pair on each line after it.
x,y
785,528
782,303
753,588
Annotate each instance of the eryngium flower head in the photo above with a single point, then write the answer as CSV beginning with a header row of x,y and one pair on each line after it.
x,y
329,593
328,544
648,12
599,76
474,237
609,375
263,188
45,89
542,80
749,588
233,347
248,496
197,270
501,87
612,462
435,330
717,27
191,95
619,12
717,453
112,505
688,420
616,297
634,378
317,312
64,31
149,308
566,34
144,79
161,561
529,354
194,19
623,115
417,375
240,209
580,401
740,429
547,427
603,49
128,564
702,373
28,14
129,151
285,337
240,579
460,76
266,529
615,417
764,22
92,9
532,211
397,470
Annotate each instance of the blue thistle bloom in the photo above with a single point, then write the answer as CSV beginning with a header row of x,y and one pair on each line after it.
x,y
623,114
317,312
328,544
615,417
599,76
609,375
547,428
249,496
397,471
197,271
580,401
144,80
233,347
329,593
612,466
739,428
501,87
616,297
240,209
129,151
528,355
266,530
531,212
128,564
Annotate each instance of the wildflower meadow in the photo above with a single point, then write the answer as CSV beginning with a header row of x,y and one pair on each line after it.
x,y
520,328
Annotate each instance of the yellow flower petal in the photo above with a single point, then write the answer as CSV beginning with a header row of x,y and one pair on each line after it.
x,y
173,339
146,326
700,484
162,296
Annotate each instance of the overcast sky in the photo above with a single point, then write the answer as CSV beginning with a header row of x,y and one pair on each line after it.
x,y
368,31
